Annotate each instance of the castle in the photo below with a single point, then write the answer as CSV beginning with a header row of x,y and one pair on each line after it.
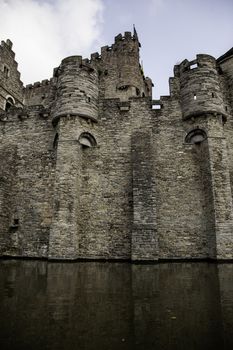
x,y
91,167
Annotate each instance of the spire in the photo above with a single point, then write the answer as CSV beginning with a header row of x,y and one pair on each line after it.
x,y
135,34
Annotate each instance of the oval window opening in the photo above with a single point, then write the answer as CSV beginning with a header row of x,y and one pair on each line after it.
x,y
196,136
87,140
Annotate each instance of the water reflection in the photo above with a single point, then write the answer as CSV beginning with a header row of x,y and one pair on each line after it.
x,y
112,306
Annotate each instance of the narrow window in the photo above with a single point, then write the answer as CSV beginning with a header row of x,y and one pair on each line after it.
x,y
55,141
9,103
137,92
6,72
16,222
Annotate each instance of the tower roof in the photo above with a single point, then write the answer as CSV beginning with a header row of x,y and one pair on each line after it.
x,y
226,55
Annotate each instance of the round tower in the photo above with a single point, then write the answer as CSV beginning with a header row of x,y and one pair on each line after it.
x,y
200,88
75,115
77,89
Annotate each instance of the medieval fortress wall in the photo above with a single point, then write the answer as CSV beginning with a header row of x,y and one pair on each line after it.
x,y
92,167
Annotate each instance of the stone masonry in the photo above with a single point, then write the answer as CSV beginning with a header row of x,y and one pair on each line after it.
x,y
91,167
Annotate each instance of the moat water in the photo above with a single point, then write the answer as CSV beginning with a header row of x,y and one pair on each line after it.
x,y
112,306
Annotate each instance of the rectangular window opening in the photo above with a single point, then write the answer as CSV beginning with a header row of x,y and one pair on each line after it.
x,y
156,106
194,65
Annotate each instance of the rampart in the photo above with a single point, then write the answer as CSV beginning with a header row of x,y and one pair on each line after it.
x,y
93,168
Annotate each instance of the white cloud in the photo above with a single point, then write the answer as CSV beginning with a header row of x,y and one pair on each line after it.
x,y
45,31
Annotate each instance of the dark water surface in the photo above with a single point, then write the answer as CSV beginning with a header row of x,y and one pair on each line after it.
x,y
108,306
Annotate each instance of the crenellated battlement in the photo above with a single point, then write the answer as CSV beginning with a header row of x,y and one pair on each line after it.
x,y
40,93
120,41
39,84
22,114
7,45
128,36
201,61
78,60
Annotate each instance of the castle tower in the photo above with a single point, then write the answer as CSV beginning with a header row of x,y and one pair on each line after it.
x,y
203,108
74,115
121,75
199,87
77,89
11,87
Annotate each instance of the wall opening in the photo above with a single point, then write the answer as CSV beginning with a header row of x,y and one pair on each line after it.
x,y
156,106
55,141
194,65
87,140
9,103
16,222
6,72
196,136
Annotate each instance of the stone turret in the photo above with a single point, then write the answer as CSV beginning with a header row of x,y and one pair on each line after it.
x,y
77,88
199,87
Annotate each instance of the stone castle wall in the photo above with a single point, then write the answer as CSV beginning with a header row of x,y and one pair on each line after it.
x,y
91,169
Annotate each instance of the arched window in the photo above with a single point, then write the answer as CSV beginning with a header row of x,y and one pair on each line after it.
x,y
195,136
87,140
9,103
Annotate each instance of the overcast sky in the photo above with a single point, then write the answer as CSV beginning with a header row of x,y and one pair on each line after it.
x,y
45,31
